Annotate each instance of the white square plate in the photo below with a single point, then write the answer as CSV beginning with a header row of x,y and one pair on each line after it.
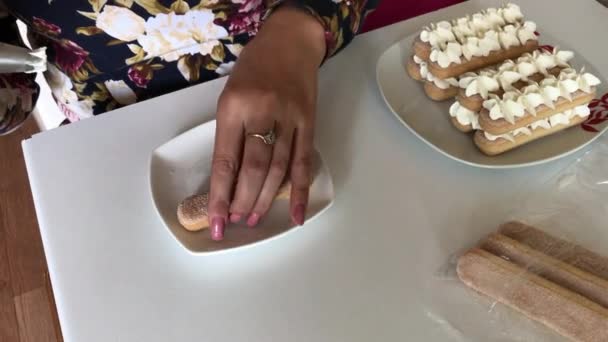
x,y
181,167
429,120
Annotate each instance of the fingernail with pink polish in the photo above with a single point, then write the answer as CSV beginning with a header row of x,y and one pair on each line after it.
x,y
235,218
253,220
217,228
298,214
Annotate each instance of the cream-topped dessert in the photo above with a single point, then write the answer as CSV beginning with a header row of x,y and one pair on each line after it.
x,y
470,26
509,72
493,40
560,119
516,104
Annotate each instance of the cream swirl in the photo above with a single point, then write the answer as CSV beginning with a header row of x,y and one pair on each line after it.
x,y
508,36
544,123
427,75
482,85
438,34
527,32
512,13
451,54
442,83
464,116
542,61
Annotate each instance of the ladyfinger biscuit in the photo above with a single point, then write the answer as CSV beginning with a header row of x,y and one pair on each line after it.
x,y
192,212
563,274
561,310
437,94
478,62
501,145
560,249
475,102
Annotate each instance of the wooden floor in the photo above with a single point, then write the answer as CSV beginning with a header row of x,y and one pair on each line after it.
x,y
27,310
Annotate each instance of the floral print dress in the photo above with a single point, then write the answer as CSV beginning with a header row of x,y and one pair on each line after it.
x,y
104,54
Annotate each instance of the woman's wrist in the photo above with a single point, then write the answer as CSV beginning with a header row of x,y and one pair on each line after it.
x,y
294,27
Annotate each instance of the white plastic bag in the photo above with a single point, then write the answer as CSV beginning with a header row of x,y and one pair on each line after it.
x,y
573,208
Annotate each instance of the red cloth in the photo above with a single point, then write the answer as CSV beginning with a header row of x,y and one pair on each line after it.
x,y
392,11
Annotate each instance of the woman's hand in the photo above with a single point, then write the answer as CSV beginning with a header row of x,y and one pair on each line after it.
x,y
273,86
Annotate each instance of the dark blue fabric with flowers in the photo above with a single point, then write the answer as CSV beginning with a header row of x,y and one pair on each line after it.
x,y
106,54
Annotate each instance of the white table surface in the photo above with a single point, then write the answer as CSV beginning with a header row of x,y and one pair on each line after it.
x,y
363,271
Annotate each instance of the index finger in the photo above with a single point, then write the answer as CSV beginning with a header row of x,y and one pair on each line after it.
x,y
224,168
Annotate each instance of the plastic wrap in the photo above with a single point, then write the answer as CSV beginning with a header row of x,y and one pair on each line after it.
x,y
557,274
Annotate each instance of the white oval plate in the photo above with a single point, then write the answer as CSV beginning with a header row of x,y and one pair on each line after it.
x,y
429,120
181,167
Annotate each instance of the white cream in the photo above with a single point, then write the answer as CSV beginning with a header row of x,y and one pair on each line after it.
x,y
482,44
527,32
442,83
509,136
508,36
466,79
586,81
461,28
559,119
506,78
544,123
508,64
480,23
482,85
582,111
427,75
548,123
515,104
474,25
526,69
541,61
562,58
531,99
512,13
451,54
471,48
488,43
464,116
495,17
493,137
438,34
424,71
442,34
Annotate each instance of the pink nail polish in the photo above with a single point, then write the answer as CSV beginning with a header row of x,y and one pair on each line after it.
x,y
298,214
253,220
235,218
217,228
